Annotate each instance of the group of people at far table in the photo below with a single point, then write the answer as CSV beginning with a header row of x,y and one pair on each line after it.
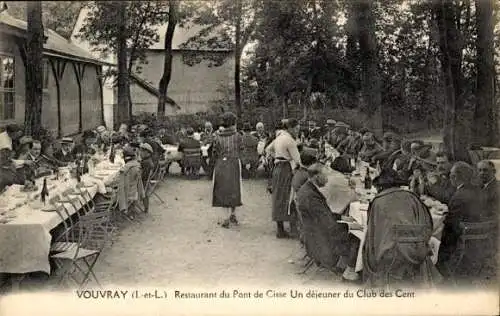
x,y
407,171
297,160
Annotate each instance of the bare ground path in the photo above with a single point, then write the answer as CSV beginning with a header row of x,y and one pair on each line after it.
x,y
180,243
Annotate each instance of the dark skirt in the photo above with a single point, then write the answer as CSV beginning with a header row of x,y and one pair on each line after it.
x,y
227,183
282,188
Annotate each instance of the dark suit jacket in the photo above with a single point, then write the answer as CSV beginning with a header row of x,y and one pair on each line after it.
x,y
325,239
442,190
189,143
10,176
466,205
491,202
69,157
249,153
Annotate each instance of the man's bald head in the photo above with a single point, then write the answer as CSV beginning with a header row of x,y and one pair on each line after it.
x,y
461,173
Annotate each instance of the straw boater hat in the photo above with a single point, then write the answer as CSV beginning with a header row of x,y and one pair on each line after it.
x,y
341,125
26,140
67,140
101,129
330,122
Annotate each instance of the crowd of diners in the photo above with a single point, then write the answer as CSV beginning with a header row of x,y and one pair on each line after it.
x,y
294,156
407,169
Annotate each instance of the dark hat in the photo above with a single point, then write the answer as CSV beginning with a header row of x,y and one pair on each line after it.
x,y
388,177
389,136
128,151
247,127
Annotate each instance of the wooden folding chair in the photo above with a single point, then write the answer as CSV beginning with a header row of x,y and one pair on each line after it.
x,y
405,234
155,177
77,263
484,233
191,162
63,240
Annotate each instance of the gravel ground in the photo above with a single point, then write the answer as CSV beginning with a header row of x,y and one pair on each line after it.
x,y
180,243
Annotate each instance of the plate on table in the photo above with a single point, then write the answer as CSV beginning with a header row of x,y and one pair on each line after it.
x,y
49,208
348,219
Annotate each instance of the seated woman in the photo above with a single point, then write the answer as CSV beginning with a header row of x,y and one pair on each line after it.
x,y
386,262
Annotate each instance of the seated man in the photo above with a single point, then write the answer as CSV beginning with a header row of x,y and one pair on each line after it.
x,y
65,153
489,186
40,164
9,175
249,154
438,183
464,206
390,144
385,262
190,144
25,144
158,151
325,239
370,148
260,132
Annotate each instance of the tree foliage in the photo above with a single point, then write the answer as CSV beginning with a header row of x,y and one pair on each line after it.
x,y
59,16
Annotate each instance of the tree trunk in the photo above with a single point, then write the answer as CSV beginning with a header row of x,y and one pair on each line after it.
x,y
167,63
34,69
485,115
123,78
369,61
237,59
351,49
456,126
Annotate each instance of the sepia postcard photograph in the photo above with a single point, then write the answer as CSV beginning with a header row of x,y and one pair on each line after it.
x,y
249,157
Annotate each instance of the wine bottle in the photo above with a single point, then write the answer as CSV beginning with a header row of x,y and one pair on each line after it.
x,y
45,191
112,154
368,180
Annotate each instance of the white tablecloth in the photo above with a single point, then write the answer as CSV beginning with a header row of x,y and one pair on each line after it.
x,y
25,239
358,211
337,192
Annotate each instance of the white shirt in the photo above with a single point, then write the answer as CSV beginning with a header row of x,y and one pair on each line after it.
x,y
5,141
487,184
285,146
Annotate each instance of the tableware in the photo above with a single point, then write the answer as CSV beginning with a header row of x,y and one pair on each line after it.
x,y
355,226
347,219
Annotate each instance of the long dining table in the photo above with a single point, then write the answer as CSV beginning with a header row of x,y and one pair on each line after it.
x,y
358,212
26,222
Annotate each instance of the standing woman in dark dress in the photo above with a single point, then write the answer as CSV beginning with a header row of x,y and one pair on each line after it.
x,y
227,170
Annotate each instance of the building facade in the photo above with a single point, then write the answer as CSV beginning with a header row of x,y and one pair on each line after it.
x,y
72,88
194,87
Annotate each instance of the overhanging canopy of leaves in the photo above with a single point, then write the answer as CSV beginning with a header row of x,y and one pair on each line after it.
x,y
101,30
59,16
